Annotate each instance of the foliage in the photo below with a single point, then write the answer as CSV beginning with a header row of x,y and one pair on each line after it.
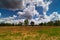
x,y
26,22
51,23
41,24
32,23
9,24
20,24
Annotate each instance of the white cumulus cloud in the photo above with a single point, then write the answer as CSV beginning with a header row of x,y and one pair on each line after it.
x,y
29,12
0,14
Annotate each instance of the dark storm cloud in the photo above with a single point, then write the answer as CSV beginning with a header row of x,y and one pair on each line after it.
x,y
11,4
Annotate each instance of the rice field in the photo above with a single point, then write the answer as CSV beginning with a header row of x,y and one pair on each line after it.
x,y
29,33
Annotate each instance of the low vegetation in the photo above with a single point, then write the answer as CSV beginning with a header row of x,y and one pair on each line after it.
x,y
43,31
30,33
26,23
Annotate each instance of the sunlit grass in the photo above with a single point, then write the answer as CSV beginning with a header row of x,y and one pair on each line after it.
x,y
30,33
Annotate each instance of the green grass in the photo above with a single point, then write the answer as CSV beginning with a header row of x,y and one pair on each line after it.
x,y
50,32
31,38
37,38
28,38
16,34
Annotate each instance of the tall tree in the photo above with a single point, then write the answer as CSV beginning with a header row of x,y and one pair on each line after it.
x,y
32,23
26,22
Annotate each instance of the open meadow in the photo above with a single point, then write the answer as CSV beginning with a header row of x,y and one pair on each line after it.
x,y
29,33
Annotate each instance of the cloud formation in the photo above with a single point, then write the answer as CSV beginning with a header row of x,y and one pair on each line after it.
x,y
11,4
8,19
53,17
30,10
0,14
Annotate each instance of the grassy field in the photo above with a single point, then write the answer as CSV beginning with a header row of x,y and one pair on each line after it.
x,y
29,33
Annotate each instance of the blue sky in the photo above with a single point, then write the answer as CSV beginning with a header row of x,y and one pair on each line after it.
x,y
53,7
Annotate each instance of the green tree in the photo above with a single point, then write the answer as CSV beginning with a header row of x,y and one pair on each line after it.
x,y
32,23
20,24
41,24
51,23
26,22
57,23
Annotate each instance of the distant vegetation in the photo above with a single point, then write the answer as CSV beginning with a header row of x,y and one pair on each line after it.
x,y
26,23
51,23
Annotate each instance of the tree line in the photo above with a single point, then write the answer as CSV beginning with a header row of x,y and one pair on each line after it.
x,y
26,23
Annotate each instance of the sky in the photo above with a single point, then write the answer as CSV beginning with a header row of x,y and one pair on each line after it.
x,y
54,6
39,11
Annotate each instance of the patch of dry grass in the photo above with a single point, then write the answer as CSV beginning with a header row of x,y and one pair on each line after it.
x,y
29,33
